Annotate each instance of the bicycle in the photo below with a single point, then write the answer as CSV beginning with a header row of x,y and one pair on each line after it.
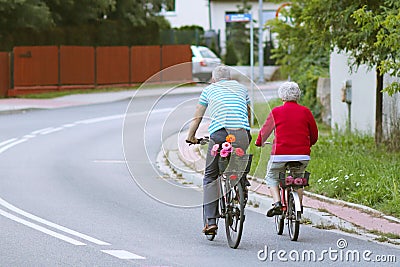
x,y
290,182
232,194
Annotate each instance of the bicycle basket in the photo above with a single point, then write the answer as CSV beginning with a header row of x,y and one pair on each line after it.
x,y
234,164
300,179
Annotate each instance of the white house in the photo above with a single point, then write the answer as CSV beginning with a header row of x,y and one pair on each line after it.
x,y
210,14
361,112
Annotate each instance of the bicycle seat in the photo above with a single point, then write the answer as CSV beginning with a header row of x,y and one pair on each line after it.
x,y
293,164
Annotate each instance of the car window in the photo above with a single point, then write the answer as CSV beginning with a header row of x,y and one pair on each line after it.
x,y
207,53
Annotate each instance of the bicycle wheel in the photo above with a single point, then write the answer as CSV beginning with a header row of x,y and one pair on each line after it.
x,y
293,218
235,216
279,223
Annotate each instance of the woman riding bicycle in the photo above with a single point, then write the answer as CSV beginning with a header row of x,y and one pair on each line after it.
x,y
295,132
228,103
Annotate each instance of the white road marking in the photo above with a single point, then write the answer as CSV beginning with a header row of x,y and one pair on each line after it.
x,y
52,130
10,145
100,119
56,226
8,141
109,161
42,130
123,254
69,125
42,229
28,136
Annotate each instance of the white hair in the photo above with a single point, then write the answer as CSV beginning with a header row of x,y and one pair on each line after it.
x,y
221,72
289,91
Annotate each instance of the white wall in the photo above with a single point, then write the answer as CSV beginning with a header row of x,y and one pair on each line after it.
x,y
189,12
363,95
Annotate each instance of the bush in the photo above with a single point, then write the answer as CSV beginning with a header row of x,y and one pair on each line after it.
x,y
231,57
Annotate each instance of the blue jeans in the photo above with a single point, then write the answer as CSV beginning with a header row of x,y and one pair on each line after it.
x,y
210,182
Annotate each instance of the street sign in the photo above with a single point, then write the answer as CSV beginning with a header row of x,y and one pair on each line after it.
x,y
237,17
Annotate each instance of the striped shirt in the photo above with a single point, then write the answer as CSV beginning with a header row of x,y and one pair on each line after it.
x,y
227,102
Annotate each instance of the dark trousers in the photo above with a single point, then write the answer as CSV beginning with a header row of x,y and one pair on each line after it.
x,y
210,182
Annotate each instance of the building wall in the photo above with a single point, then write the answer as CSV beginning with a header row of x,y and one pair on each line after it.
x,y
363,95
189,12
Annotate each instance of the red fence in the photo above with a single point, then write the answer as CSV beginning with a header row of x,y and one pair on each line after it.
x,y
48,68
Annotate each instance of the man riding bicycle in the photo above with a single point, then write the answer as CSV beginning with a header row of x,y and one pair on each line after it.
x,y
295,132
228,104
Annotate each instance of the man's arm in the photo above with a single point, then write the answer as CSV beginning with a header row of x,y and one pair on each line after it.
x,y
198,116
249,114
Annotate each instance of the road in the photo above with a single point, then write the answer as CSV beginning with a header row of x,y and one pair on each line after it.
x,y
79,187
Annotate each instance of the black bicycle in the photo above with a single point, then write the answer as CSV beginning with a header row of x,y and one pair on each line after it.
x,y
290,182
233,171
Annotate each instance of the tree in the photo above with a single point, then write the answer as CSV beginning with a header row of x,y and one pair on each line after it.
x,y
17,14
357,28
300,55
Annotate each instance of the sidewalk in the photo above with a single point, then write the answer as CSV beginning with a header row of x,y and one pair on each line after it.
x,y
320,211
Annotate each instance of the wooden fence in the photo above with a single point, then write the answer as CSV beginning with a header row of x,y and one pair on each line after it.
x,y
35,69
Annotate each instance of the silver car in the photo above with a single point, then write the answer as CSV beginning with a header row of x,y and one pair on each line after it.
x,y
203,62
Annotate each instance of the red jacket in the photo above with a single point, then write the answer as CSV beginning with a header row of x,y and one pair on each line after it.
x,y
295,130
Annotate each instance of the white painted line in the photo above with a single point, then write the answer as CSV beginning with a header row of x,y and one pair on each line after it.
x,y
123,254
52,130
42,229
56,226
109,161
8,141
69,125
42,130
4,148
28,136
100,119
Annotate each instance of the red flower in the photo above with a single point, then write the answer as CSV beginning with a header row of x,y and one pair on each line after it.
x,y
239,152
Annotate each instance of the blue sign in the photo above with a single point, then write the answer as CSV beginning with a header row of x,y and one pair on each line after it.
x,y
237,17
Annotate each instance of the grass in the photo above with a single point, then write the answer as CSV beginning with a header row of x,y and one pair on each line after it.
x,y
349,167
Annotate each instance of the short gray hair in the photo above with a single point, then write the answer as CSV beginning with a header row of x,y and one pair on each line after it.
x,y
221,72
289,91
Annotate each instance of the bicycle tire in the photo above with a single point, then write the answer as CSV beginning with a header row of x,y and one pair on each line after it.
x,y
279,224
293,219
234,220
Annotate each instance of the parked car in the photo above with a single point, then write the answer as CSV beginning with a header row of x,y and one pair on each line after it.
x,y
203,62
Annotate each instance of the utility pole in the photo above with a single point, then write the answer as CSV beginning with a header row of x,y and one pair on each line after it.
x,y
260,42
209,15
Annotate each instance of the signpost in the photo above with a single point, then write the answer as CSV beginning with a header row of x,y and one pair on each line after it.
x,y
231,18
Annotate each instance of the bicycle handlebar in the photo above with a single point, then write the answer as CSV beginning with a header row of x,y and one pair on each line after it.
x,y
201,141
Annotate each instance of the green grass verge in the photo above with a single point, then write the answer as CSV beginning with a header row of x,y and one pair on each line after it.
x,y
348,167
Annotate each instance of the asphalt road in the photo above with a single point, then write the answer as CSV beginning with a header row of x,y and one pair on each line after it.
x,y
79,187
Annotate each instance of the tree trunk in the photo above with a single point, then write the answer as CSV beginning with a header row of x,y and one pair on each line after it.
x,y
378,109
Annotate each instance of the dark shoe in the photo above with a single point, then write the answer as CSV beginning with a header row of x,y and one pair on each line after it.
x,y
210,229
276,210
246,182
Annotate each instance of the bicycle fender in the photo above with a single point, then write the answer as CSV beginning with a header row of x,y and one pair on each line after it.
x,y
297,205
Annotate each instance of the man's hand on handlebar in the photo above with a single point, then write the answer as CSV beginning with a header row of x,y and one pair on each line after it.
x,y
195,141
